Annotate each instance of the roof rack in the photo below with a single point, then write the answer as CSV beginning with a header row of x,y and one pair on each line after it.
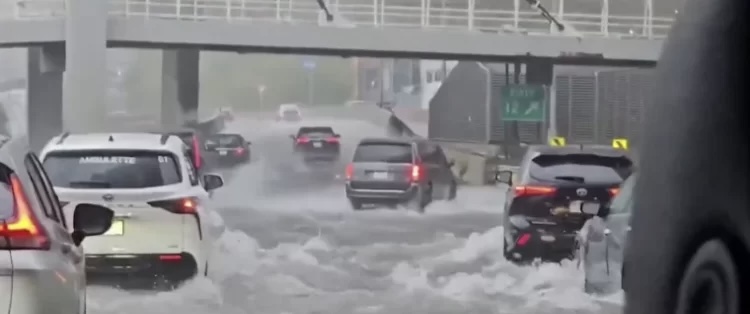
x,y
63,137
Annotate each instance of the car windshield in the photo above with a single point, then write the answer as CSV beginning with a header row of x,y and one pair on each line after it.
x,y
316,132
383,152
112,169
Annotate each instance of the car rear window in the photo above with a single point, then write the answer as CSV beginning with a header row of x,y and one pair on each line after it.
x,y
112,169
224,140
584,168
316,132
383,152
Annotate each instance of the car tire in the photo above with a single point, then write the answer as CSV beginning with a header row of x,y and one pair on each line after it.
x,y
452,191
355,203
711,274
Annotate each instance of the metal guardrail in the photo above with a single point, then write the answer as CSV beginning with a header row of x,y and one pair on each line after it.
x,y
461,15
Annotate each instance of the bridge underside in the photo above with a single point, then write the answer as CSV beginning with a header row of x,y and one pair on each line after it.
x,y
67,61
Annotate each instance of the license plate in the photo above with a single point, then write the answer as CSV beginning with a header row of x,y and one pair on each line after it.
x,y
117,228
380,175
223,153
580,207
547,238
317,144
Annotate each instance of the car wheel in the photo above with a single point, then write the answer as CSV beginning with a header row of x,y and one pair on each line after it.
x,y
356,204
710,281
452,191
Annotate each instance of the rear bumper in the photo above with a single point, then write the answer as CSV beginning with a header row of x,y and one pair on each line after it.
x,y
379,195
540,244
173,267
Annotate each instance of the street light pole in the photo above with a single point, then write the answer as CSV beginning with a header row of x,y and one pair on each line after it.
x,y
261,90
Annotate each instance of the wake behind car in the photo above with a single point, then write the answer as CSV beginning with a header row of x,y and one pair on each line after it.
x,y
163,224
399,171
557,190
41,258
227,150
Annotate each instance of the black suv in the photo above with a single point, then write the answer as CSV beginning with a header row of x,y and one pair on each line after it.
x,y
557,190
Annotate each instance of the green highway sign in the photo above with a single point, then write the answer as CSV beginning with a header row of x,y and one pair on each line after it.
x,y
523,103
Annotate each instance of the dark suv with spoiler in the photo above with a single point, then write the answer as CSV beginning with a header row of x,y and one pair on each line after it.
x,y
227,149
317,144
556,187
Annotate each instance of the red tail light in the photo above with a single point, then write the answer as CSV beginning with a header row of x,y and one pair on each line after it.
x,y
239,151
530,190
22,231
188,205
196,152
182,206
349,171
416,173
332,140
613,191
523,239
170,258
302,140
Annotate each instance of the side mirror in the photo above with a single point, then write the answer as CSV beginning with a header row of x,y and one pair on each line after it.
x,y
337,135
451,163
292,136
504,176
90,220
248,143
212,182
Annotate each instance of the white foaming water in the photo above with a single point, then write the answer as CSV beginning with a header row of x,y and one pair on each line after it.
x,y
307,252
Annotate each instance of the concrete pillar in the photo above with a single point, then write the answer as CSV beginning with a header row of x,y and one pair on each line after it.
x,y
44,94
85,84
180,86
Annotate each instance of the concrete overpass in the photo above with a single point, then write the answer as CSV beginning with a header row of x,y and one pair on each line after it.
x,y
72,37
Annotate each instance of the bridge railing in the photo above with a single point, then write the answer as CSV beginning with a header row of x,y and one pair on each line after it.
x,y
460,15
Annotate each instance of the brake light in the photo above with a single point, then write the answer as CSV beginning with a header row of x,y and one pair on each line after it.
x,y
332,140
170,258
349,171
613,191
239,151
182,206
188,205
523,239
22,231
416,173
302,140
529,190
196,152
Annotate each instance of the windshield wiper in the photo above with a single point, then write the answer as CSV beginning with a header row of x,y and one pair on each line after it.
x,y
90,184
538,5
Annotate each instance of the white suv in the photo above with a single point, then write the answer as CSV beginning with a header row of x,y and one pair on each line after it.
x,y
162,227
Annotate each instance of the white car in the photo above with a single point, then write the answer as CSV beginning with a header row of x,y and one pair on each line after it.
x,y
162,227
42,266
289,113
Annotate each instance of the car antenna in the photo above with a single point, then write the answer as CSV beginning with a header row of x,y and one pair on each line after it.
x,y
111,139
